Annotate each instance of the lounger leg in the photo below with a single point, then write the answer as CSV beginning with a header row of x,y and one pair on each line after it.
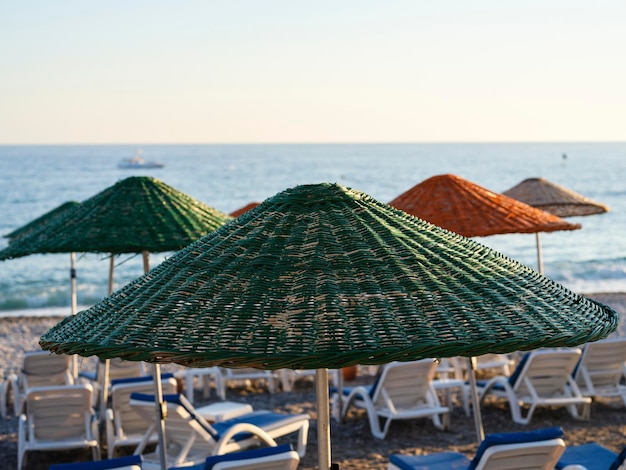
x,y
582,412
303,436
441,421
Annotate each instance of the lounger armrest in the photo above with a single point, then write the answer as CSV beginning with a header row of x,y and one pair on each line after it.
x,y
359,392
239,428
497,380
109,420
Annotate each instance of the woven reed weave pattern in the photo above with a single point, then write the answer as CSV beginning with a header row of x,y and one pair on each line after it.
x,y
325,276
134,215
553,198
43,220
468,209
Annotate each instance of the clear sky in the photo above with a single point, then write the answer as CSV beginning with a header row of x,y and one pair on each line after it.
x,y
254,71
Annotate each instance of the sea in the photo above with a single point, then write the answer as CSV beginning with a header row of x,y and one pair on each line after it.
x,y
37,179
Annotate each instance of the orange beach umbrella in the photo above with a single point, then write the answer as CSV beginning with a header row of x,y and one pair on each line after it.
x,y
244,209
468,209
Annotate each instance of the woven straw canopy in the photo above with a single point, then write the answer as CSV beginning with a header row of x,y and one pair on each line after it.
x,y
553,198
134,215
322,276
468,209
42,221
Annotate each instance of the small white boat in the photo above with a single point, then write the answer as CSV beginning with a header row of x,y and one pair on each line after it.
x,y
138,162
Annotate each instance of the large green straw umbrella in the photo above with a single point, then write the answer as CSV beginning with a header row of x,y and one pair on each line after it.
x,y
136,215
471,210
321,276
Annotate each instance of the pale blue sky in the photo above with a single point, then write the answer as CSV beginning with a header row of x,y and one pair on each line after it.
x,y
251,71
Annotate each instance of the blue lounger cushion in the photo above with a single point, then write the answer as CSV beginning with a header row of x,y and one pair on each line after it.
x,y
210,462
247,454
100,464
515,438
261,418
345,391
145,378
455,460
443,460
592,456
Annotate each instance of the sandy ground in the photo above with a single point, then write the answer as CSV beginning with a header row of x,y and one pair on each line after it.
x,y
353,446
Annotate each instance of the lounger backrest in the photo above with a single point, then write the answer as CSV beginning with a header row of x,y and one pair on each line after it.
x,y
42,369
183,425
281,457
405,384
547,370
603,361
58,412
127,419
120,369
529,450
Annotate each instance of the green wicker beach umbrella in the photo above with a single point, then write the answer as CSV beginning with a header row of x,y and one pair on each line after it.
x,y
40,223
136,215
321,276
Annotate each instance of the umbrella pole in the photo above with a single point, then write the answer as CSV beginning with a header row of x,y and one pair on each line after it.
x,y
161,413
146,261
478,420
161,407
539,257
111,268
323,419
104,393
107,363
73,306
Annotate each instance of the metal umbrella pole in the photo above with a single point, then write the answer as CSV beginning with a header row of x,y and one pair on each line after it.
x,y
323,418
478,419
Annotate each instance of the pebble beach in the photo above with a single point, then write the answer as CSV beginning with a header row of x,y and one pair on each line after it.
x,y
353,447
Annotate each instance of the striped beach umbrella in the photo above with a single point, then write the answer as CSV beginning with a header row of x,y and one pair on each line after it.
x,y
468,209
322,276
